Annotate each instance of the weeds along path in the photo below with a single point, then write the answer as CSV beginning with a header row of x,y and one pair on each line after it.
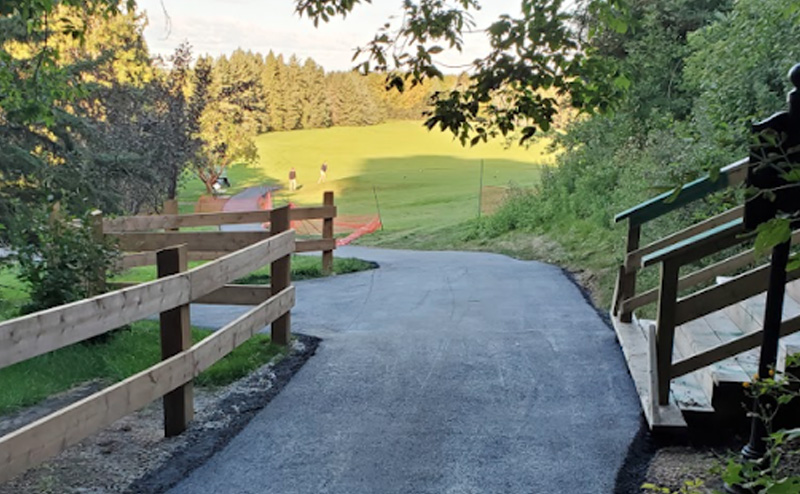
x,y
439,372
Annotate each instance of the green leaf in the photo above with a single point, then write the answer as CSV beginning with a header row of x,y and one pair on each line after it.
x,y
622,82
792,175
733,473
792,434
789,485
772,233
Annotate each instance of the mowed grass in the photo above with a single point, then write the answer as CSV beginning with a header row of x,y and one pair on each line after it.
x,y
13,294
124,354
304,267
424,180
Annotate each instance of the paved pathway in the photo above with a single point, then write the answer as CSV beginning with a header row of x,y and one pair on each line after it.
x,y
440,372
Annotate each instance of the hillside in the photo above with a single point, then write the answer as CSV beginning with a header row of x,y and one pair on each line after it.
x,y
423,180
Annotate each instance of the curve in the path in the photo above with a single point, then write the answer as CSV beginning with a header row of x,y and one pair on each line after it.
x,y
440,372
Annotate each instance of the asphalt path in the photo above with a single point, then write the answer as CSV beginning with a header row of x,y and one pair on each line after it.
x,y
439,372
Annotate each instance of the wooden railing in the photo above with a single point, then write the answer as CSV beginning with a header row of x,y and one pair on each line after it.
x,y
682,249
170,295
730,175
139,236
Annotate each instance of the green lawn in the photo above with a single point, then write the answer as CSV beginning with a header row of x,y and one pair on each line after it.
x,y
303,268
13,294
424,180
126,353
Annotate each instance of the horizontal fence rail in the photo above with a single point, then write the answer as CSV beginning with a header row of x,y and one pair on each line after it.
x,y
730,175
34,443
140,236
26,337
170,295
171,221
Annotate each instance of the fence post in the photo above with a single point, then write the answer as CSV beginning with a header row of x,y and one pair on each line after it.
x,y
327,233
171,207
667,305
176,336
280,276
99,283
627,280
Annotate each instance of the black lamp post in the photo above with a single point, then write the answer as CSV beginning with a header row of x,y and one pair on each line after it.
x,y
774,151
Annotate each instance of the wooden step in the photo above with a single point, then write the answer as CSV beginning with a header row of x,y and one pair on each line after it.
x,y
698,336
748,315
636,347
726,330
693,391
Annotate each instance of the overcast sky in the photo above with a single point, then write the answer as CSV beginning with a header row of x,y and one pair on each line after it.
x,y
220,26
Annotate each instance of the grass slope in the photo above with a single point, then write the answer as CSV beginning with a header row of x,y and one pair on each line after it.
x,y
424,180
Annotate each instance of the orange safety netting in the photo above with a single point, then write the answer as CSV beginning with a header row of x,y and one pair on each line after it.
x,y
357,226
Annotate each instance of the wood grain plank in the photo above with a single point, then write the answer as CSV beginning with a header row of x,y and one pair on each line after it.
x,y
209,277
222,342
729,349
26,337
34,443
662,204
315,245
237,295
633,260
195,241
170,221
720,296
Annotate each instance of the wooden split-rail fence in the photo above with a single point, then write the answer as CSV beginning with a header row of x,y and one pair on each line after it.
x,y
140,236
232,256
701,346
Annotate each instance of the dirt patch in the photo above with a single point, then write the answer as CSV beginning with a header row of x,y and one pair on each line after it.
x,y
672,466
132,455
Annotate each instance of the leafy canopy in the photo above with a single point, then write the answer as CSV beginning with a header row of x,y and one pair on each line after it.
x,y
535,59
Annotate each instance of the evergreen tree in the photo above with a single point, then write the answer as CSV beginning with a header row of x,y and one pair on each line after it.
x,y
278,94
270,74
241,79
351,101
292,83
314,101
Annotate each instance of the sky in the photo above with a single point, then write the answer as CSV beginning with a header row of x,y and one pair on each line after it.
x,y
218,27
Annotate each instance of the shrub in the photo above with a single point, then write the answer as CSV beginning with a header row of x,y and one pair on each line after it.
x,y
60,259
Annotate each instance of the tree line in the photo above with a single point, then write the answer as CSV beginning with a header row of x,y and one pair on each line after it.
x,y
275,94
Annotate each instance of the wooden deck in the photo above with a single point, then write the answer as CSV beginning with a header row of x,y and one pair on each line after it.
x,y
698,391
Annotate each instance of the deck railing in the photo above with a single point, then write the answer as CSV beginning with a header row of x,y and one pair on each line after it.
x,y
682,249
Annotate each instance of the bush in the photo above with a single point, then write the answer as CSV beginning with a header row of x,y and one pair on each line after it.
x,y
60,259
